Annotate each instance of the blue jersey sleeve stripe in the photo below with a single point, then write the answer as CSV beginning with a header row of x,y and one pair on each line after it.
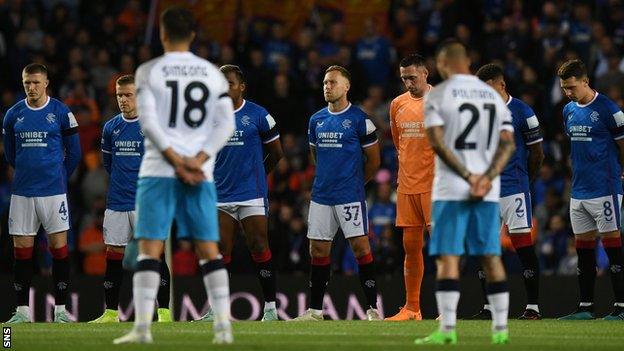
x,y
271,140
269,135
534,141
368,140
69,131
364,146
617,132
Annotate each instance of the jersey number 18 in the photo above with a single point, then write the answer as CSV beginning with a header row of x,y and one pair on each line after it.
x,y
190,101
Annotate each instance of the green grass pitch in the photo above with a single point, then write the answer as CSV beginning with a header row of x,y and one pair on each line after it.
x,y
328,335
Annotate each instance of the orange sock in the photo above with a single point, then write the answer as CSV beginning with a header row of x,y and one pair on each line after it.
x,y
414,267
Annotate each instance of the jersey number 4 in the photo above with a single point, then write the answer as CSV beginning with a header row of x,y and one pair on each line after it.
x,y
460,142
192,103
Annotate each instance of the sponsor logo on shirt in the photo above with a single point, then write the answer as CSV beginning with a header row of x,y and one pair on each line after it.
x,y
20,119
236,139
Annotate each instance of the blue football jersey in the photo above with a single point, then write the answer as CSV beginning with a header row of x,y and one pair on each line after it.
x,y
515,176
593,129
239,168
36,145
122,148
338,139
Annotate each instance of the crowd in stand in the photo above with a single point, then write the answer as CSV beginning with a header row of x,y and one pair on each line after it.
x,y
87,45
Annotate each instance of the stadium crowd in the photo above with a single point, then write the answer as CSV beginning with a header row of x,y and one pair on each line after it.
x,y
87,45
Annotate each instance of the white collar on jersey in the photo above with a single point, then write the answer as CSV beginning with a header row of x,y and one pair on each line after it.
x,y
36,108
463,76
241,107
589,103
136,119
339,112
509,100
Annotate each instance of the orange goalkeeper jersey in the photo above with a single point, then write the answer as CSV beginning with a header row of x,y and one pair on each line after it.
x,y
407,122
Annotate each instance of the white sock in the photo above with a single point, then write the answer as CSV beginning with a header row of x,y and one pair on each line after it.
x,y
218,290
269,305
533,307
25,310
144,287
447,307
500,310
487,307
59,308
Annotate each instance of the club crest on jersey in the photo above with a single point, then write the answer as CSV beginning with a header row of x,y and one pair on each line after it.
x,y
594,116
346,123
141,132
246,120
51,117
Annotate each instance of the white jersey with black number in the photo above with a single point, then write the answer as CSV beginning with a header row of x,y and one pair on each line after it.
x,y
473,114
182,103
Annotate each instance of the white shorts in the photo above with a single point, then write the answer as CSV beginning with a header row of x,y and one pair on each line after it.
x,y
118,227
243,209
516,213
324,220
602,214
27,214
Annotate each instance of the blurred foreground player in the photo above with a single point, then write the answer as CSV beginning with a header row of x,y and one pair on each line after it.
x,y
470,130
187,117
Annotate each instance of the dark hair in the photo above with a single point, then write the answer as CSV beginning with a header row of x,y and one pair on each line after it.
x,y
227,69
125,80
412,60
34,68
340,69
490,71
572,68
448,43
178,22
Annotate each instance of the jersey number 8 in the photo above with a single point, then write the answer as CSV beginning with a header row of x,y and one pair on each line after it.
x,y
191,103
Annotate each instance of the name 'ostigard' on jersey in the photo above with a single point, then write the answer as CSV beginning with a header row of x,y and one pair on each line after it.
x,y
473,114
243,155
339,138
515,176
593,129
182,103
122,148
42,145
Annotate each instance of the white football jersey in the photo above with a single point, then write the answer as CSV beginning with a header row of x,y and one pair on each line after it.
x,y
473,114
177,95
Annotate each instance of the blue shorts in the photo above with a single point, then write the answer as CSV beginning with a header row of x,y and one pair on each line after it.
x,y
160,200
465,226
